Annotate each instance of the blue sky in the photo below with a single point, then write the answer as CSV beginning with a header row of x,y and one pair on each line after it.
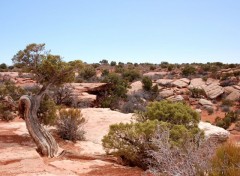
x,y
177,31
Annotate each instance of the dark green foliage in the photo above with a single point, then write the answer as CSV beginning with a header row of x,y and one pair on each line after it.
x,y
117,91
113,63
10,89
5,113
47,111
188,70
104,62
132,141
131,75
70,125
105,72
3,66
147,83
174,113
229,118
87,72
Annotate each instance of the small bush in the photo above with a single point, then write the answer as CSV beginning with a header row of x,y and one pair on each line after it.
x,y
226,162
210,110
188,70
88,72
70,125
147,83
229,118
131,75
5,113
227,102
47,111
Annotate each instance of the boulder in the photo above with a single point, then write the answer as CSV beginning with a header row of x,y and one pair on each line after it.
x,y
135,87
150,74
229,89
235,95
214,132
212,81
197,83
205,102
179,83
213,90
185,80
175,98
166,93
164,82
236,87
198,111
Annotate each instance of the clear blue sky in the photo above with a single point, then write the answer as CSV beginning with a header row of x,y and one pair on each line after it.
x,y
177,31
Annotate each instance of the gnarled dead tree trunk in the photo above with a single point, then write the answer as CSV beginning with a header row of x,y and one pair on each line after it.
x,y
46,144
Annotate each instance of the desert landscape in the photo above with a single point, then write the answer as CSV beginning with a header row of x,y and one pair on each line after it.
x,y
119,88
214,96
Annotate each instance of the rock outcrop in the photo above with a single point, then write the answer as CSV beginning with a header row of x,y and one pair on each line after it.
x,y
205,103
233,96
179,83
166,93
176,98
197,83
214,132
151,74
213,91
135,87
164,82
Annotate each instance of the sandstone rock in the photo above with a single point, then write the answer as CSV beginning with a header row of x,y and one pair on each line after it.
x,y
150,74
213,90
197,83
205,102
176,98
235,95
236,87
180,83
185,80
214,132
164,82
229,89
135,87
212,81
198,110
166,93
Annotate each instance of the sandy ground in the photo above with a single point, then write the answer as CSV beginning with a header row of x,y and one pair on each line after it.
x,y
18,154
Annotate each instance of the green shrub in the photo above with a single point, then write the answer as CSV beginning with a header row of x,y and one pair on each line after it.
x,y
88,72
226,162
113,63
47,111
147,83
175,113
229,118
117,91
131,75
132,141
188,70
5,113
70,125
